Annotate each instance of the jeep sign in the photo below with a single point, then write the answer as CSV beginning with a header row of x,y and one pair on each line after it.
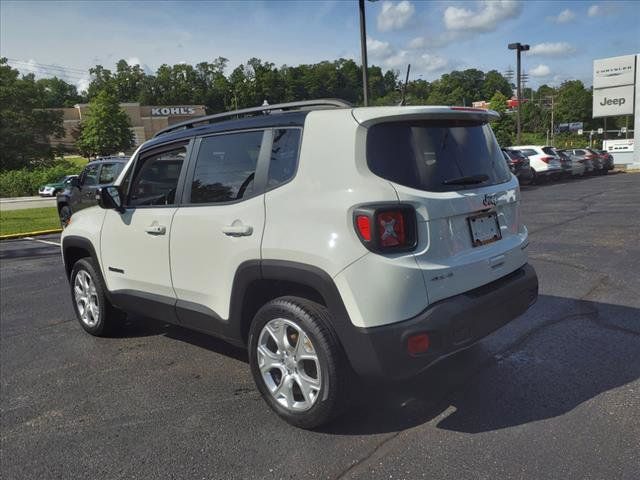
x,y
166,111
610,102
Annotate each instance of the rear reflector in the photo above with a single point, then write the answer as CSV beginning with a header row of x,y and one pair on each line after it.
x,y
364,227
417,344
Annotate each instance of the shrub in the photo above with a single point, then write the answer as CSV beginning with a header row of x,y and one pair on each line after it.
x,y
19,183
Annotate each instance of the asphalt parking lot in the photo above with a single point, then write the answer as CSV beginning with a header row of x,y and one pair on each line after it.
x,y
554,394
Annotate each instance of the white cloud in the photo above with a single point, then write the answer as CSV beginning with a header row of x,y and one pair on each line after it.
x,y
485,19
600,10
540,71
418,42
432,63
395,16
563,17
594,10
378,49
383,53
136,61
74,76
549,49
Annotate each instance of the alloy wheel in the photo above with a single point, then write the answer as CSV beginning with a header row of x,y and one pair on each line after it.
x,y
86,297
289,365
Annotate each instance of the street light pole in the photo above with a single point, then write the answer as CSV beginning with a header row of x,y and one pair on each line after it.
x,y
363,46
518,47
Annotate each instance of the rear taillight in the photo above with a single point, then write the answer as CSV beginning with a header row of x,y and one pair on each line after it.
x,y
547,159
386,228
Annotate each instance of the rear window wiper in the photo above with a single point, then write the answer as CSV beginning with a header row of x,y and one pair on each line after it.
x,y
468,180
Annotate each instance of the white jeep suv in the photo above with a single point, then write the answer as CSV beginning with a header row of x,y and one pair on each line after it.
x,y
330,241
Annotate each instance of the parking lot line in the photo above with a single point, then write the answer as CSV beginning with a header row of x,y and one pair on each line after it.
x,y
42,241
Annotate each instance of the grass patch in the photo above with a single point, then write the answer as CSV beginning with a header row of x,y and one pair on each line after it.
x,y
28,220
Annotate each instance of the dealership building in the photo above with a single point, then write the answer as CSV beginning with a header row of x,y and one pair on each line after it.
x,y
146,120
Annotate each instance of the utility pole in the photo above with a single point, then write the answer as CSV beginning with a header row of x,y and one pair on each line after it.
x,y
519,48
363,46
552,125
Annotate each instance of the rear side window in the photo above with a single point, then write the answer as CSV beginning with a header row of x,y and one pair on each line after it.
x,y
109,172
436,155
284,156
226,167
529,152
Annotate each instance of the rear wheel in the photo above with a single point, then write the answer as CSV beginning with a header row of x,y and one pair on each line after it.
x,y
297,362
93,309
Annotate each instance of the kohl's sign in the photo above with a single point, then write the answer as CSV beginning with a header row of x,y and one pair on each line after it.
x,y
166,111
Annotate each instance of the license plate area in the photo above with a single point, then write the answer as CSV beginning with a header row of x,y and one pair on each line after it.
x,y
484,228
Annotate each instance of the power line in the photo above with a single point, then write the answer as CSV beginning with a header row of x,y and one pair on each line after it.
x,y
45,65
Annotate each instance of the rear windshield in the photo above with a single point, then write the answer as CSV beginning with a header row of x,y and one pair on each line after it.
x,y
549,151
515,154
436,155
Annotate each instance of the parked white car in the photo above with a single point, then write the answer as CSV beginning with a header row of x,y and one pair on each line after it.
x,y
543,160
392,245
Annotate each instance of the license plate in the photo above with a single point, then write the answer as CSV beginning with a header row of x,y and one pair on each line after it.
x,y
484,228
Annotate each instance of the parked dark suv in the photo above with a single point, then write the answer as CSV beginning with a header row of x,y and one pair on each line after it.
x,y
519,165
81,191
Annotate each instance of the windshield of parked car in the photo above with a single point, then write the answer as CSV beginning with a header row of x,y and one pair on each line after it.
x,y
436,155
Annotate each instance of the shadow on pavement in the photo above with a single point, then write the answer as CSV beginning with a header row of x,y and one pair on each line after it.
x,y
555,366
545,373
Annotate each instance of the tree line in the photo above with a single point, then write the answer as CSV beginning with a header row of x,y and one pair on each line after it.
x,y
25,127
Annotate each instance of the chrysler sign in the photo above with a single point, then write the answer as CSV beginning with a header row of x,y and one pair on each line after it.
x,y
166,111
614,71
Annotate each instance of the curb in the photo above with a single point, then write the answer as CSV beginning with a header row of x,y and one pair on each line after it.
x,y
13,236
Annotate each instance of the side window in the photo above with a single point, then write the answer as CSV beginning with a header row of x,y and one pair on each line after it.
x,y
225,167
528,152
156,178
284,156
109,173
90,175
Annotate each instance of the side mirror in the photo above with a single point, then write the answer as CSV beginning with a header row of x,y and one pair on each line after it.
x,y
109,198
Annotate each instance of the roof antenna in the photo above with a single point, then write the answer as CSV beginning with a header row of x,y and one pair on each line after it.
x,y
403,101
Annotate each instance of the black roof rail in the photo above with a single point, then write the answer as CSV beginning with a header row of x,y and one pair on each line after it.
x,y
262,109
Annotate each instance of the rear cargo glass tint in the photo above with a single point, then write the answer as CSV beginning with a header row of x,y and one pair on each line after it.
x,y
549,151
431,154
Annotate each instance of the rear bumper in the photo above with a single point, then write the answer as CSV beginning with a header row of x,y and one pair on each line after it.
x,y
452,324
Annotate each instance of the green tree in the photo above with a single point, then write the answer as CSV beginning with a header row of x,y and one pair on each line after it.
x,y
24,128
107,129
495,82
504,127
56,93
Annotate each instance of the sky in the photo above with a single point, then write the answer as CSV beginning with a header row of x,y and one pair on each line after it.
x,y
66,38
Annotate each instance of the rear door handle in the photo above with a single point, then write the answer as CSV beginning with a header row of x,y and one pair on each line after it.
x,y
237,229
156,229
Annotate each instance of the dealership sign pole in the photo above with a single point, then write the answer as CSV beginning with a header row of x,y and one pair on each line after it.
x,y
614,92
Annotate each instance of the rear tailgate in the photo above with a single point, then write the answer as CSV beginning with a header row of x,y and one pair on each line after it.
x,y
451,169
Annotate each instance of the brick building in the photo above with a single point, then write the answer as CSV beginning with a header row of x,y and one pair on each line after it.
x,y
145,120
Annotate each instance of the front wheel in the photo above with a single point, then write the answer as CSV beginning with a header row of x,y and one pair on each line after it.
x,y
93,309
297,362
65,215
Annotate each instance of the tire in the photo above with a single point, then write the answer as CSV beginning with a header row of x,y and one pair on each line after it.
x,y
326,379
65,215
101,318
